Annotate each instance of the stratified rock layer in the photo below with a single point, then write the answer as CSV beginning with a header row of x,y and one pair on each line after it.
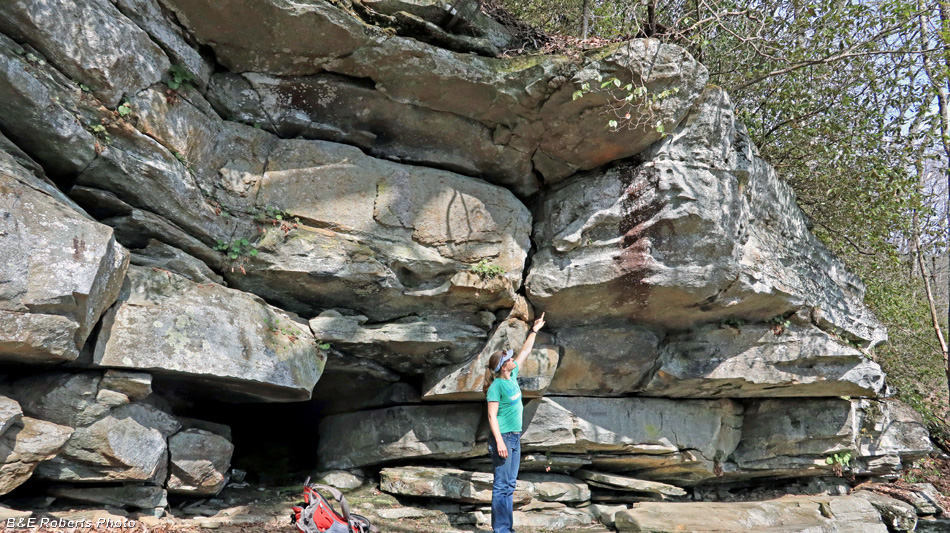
x,y
376,168
516,116
60,269
375,437
219,337
818,514
24,446
762,360
700,230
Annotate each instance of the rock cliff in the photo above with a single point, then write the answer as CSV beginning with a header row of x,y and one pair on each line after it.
x,y
356,203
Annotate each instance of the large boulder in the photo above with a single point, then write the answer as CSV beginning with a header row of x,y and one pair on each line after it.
x,y
129,444
605,360
219,338
25,445
891,437
461,18
700,230
628,484
90,41
38,114
146,497
548,487
446,483
306,224
750,360
61,269
410,345
159,23
681,442
405,432
847,514
897,515
10,413
199,462
518,114
70,399
466,380
800,437
395,236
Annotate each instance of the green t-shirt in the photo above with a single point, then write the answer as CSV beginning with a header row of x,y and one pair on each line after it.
x,y
508,395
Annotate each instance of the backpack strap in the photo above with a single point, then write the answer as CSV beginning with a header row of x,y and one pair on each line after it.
x,y
338,496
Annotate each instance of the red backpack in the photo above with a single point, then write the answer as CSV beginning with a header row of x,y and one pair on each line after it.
x,y
315,515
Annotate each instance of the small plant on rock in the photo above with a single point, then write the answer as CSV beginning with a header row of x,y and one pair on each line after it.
x,y
779,324
184,161
274,216
35,59
238,250
732,322
631,105
486,270
125,109
179,77
839,462
101,134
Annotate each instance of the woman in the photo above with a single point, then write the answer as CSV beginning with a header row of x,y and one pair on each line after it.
x,y
504,417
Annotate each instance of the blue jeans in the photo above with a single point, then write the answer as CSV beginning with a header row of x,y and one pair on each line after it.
x,y
506,475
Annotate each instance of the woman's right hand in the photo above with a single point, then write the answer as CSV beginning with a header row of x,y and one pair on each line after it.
x,y
502,448
538,324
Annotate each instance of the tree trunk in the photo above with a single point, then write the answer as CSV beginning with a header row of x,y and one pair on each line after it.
x,y
941,82
651,18
585,19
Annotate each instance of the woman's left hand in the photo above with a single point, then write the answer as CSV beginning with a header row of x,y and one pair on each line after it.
x,y
538,324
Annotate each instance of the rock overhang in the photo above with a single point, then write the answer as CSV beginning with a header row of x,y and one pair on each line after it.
x,y
688,258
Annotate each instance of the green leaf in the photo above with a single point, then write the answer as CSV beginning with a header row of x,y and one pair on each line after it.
x,y
612,124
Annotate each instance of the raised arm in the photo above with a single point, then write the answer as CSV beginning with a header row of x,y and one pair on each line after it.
x,y
529,342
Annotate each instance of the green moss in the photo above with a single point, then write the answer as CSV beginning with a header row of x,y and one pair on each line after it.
x,y
519,63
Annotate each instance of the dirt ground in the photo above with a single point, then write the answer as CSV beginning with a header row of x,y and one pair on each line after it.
x,y
247,510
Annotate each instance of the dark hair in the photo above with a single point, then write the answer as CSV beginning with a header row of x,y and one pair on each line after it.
x,y
490,374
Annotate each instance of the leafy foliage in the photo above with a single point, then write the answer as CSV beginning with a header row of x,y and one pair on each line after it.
x,y
630,105
178,77
238,250
839,462
486,270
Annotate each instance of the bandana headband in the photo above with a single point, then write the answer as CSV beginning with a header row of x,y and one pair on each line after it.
x,y
504,358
